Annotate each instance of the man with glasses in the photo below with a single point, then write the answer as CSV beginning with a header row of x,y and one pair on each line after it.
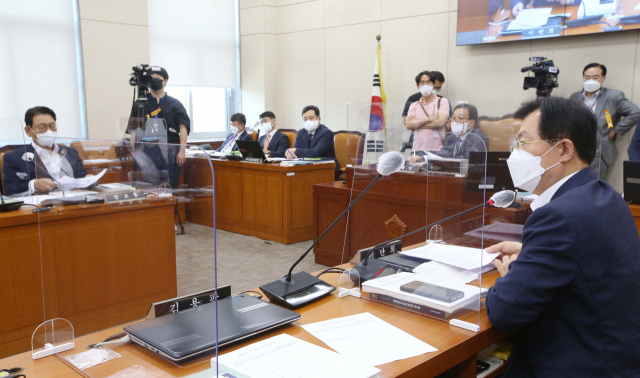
x,y
464,137
38,167
572,287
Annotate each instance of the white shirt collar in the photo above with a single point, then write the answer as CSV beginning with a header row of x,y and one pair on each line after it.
x,y
40,150
273,132
545,197
595,95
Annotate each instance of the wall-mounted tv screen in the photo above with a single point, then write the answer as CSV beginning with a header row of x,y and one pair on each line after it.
x,y
489,21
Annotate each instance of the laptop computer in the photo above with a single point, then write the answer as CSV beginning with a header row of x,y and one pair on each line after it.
x,y
180,336
631,174
497,172
251,151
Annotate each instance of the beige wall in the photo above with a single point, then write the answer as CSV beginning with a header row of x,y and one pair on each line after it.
x,y
115,37
322,52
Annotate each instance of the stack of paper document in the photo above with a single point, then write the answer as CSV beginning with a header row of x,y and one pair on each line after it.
x,y
390,286
530,18
72,183
285,356
445,272
474,260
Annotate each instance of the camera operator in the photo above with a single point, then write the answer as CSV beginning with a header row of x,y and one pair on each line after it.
x,y
608,105
161,105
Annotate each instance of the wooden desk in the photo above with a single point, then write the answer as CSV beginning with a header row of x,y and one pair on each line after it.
x,y
267,201
635,211
94,265
396,205
457,348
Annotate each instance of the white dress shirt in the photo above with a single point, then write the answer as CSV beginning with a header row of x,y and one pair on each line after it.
x,y
53,163
590,102
229,146
545,197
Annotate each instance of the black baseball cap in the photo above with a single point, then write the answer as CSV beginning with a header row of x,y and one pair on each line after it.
x,y
160,71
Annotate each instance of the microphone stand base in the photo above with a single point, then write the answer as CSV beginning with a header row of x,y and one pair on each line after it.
x,y
303,289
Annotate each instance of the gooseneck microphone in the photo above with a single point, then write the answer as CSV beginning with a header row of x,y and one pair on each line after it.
x,y
295,290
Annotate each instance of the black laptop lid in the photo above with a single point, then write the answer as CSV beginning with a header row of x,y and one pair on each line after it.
x,y
184,334
497,171
250,149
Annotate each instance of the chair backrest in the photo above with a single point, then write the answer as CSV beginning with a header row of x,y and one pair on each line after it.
x,y
95,149
291,134
253,134
500,131
349,146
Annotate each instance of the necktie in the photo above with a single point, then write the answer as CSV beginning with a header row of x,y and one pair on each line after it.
x,y
457,148
231,141
266,143
310,140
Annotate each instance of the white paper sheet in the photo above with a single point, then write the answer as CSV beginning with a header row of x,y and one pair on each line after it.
x,y
462,257
436,270
368,340
530,18
71,183
71,193
637,7
34,200
96,161
289,357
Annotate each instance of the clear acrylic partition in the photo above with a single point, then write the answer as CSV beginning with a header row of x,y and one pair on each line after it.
x,y
459,172
123,226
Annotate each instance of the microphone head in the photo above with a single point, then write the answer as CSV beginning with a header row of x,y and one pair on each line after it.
x,y
503,199
390,162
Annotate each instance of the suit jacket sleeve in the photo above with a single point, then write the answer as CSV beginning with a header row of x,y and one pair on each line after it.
x,y
280,148
323,145
546,263
630,112
76,163
634,147
12,183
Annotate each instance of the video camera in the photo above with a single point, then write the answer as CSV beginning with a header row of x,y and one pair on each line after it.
x,y
140,78
545,76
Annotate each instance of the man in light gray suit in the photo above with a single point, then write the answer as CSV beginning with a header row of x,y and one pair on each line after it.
x,y
602,101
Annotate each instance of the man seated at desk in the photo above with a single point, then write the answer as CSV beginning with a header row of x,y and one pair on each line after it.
x,y
38,167
464,137
314,140
273,142
238,121
518,6
572,287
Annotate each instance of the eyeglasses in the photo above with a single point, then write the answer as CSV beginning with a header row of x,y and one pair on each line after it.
x,y
42,127
518,144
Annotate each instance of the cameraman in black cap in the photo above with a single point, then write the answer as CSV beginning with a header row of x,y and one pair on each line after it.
x,y
161,105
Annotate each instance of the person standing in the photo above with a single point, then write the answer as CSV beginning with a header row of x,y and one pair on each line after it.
x,y
428,116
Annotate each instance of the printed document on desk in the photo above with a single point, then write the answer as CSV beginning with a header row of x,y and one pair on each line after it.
x,y
462,257
530,18
434,269
73,183
367,340
285,356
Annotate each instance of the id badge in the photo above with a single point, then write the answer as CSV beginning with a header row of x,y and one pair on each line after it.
x,y
436,134
155,126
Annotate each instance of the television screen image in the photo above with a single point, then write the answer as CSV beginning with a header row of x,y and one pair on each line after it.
x,y
489,21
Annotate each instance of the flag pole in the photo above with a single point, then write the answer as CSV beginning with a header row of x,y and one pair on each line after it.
x,y
378,38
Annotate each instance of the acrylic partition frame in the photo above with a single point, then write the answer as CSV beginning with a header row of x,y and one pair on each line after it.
x,y
421,194
109,250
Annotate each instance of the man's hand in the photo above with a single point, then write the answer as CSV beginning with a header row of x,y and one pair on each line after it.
x,y
517,9
612,134
503,265
506,248
291,153
44,185
87,176
181,158
415,159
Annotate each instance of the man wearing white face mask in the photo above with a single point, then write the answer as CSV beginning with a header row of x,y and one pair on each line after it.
x,y
428,116
273,142
609,106
571,288
459,144
238,121
37,167
314,140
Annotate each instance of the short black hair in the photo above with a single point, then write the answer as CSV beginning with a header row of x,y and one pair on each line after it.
x,y
562,118
311,107
473,111
437,75
240,118
591,65
428,73
267,114
37,110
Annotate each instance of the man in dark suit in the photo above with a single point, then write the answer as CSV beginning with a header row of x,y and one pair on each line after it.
x,y
314,140
40,166
634,146
600,101
238,121
464,137
572,287
273,142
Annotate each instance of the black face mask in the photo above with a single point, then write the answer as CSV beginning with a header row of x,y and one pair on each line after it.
x,y
156,84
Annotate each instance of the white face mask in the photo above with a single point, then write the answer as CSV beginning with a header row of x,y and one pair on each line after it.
x,y
426,90
525,169
234,129
310,126
47,139
591,85
267,127
435,92
459,128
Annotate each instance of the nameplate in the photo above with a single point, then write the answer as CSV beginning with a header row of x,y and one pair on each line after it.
x,y
410,168
633,180
542,32
187,302
385,250
130,196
